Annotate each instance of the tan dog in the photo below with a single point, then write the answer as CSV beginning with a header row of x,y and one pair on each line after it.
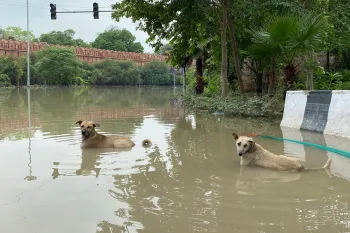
x,y
92,139
254,154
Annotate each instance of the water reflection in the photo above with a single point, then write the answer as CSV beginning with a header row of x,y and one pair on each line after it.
x,y
188,181
30,177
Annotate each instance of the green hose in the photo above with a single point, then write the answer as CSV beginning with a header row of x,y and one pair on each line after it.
x,y
318,146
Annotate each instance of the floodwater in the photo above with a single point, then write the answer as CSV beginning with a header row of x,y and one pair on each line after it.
x,y
188,181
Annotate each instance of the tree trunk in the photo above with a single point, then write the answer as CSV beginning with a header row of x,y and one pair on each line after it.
x,y
290,73
272,79
224,79
184,80
259,82
199,71
310,75
234,46
327,62
259,77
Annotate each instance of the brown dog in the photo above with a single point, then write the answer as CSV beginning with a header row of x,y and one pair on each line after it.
x,y
92,139
252,153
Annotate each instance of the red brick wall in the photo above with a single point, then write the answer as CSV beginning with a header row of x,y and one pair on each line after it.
x,y
19,48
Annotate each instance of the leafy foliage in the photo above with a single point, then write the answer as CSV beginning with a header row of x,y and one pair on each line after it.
x,y
11,67
156,73
333,81
111,72
5,81
62,38
118,40
16,33
59,66
287,36
35,77
164,49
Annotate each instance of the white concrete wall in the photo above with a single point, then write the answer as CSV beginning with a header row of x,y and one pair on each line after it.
x,y
294,109
336,132
338,122
340,165
291,148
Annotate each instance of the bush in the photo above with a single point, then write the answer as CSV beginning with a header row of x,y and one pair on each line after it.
x,y
5,81
112,72
59,66
80,81
190,79
333,81
156,73
35,78
235,104
12,68
213,87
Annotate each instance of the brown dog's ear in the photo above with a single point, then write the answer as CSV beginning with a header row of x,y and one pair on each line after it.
x,y
78,122
235,136
96,124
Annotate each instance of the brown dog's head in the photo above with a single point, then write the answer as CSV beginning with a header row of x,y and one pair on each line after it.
x,y
244,144
87,128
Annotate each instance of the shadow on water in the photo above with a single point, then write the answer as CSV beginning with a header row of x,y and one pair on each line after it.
x,y
190,180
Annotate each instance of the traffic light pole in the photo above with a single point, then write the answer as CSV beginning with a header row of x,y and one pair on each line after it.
x,y
28,48
79,11
95,11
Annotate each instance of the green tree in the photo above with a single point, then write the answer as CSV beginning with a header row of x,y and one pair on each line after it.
x,y
286,38
1,33
5,81
192,28
11,67
16,33
62,38
112,72
179,22
117,40
164,49
156,73
58,66
338,40
35,78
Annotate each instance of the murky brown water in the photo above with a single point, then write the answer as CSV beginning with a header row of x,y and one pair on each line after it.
x,y
188,181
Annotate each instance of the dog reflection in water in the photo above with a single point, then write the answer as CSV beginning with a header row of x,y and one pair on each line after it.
x,y
89,161
90,158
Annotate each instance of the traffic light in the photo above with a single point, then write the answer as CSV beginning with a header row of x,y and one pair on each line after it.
x,y
53,11
95,9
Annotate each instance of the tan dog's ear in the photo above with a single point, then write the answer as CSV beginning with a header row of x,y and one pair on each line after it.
x,y
235,136
78,122
96,124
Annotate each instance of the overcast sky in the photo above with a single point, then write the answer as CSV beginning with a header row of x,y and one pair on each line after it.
x,y
14,13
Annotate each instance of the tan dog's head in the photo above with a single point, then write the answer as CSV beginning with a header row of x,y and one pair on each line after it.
x,y
244,144
87,128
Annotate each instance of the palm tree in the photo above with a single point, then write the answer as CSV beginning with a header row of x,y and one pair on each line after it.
x,y
285,38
